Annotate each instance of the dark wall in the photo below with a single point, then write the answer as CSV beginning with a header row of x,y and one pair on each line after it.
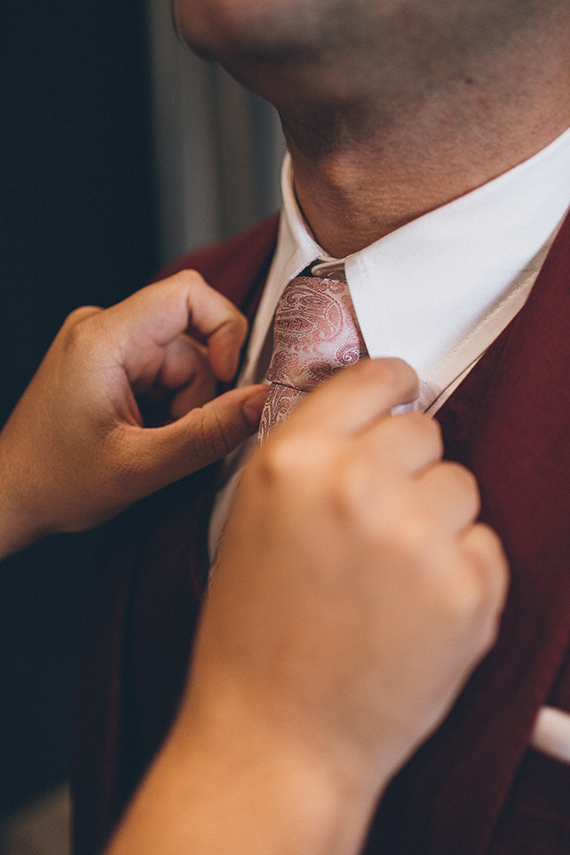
x,y
77,225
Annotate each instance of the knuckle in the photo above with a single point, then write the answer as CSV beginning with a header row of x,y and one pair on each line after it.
x,y
240,321
487,550
348,493
221,437
451,494
463,479
405,536
210,438
79,316
466,607
281,456
188,277
431,427
75,331
484,577
294,466
429,431
420,428
395,374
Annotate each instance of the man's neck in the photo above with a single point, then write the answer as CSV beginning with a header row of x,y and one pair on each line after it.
x,y
353,197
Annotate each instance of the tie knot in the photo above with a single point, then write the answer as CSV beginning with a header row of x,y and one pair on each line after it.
x,y
315,334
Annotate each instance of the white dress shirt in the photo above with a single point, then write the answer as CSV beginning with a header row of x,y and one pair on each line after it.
x,y
435,292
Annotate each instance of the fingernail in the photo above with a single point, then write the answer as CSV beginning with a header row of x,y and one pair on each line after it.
x,y
253,407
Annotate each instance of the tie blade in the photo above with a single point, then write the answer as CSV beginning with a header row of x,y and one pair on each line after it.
x,y
315,334
280,402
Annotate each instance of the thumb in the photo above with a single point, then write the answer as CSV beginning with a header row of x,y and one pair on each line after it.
x,y
202,436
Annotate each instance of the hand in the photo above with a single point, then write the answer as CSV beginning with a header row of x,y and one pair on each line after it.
x,y
76,451
353,595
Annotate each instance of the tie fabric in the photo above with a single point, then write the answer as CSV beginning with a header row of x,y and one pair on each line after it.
x,y
315,334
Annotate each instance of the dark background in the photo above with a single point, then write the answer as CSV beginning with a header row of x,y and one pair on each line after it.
x,y
77,225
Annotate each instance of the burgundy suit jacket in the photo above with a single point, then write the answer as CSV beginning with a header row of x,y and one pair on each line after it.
x,y
475,787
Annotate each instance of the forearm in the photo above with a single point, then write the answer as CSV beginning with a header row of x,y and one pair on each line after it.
x,y
247,794
352,596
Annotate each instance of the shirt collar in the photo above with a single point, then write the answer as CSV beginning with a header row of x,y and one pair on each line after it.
x,y
422,290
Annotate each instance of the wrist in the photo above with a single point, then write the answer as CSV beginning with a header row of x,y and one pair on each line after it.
x,y
233,785
291,795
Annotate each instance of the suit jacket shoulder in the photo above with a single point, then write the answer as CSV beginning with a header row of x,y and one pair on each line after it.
x,y
235,267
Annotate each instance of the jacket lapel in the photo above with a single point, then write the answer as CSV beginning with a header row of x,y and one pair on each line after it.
x,y
509,422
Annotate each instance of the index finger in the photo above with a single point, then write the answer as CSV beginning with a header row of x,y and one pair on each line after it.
x,y
185,303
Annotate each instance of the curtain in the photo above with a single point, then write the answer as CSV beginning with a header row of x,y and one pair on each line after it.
x,y
218,147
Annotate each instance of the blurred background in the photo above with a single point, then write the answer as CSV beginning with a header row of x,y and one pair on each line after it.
x,y
118,150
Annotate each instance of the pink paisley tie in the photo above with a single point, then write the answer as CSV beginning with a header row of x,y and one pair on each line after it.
x,y
315,334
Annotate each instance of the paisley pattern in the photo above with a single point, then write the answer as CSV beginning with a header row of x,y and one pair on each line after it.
x,y
315,334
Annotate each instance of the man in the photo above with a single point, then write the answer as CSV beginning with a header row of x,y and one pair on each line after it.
x,y
429,164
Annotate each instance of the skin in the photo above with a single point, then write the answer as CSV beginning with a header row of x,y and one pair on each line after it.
x,y
332,641
306,691
75,451
392,108
351,546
